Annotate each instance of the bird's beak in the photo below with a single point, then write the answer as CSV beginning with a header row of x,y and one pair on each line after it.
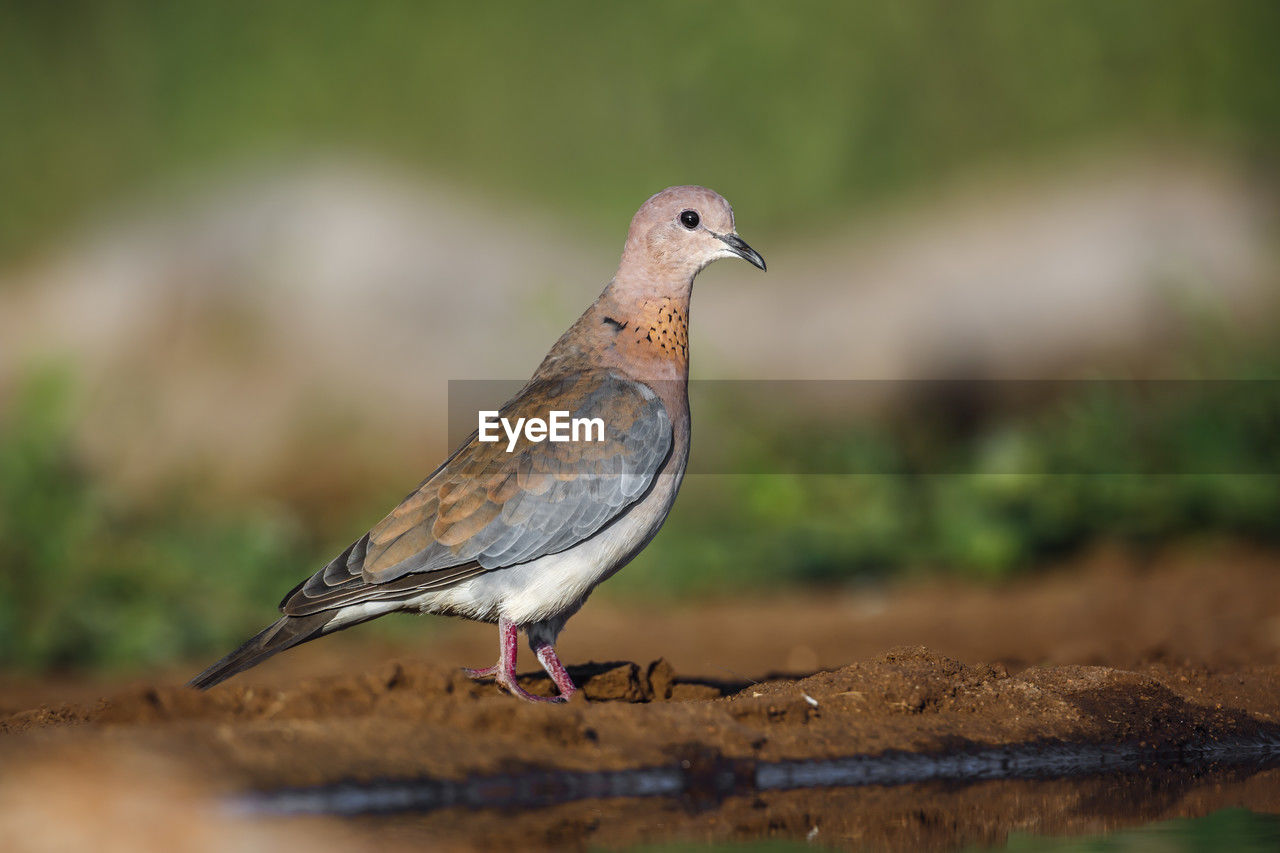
x,y
740,248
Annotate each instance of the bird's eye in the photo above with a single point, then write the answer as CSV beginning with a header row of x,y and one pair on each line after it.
x,y
689,219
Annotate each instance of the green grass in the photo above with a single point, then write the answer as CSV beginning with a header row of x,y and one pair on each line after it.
x,y
800,112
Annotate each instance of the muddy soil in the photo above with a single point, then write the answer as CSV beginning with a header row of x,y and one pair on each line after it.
x,y
1158,653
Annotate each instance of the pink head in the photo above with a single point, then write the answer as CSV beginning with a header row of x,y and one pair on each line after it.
x,y
678,232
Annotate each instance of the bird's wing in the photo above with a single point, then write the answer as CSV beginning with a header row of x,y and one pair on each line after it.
x,y
485,508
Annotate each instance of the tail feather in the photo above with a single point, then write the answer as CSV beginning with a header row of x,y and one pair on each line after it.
x,y
282,634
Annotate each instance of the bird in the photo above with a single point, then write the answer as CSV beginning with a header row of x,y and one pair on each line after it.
x,y
520,532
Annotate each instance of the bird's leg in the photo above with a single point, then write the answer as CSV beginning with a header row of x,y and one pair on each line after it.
x,y
551,663
504,671
508,643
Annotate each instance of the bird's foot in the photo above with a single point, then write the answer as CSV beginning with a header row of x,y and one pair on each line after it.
x,y
513,687
487,672
504,671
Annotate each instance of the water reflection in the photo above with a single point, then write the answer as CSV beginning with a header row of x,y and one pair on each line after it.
x,y
897,801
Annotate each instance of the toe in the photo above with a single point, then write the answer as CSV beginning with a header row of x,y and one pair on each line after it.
x,y
519,692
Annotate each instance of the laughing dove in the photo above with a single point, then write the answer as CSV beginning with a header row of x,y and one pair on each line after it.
x,y
520,532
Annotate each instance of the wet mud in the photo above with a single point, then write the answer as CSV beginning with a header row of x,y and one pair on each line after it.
x,y
909,747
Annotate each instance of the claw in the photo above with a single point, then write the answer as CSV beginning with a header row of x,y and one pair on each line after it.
x,y
519,692
504,671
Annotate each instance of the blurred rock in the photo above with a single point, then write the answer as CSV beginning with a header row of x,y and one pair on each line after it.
x,y
258,329
295,334
1011,279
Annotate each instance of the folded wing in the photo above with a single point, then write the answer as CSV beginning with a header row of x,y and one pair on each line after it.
x,y
486,509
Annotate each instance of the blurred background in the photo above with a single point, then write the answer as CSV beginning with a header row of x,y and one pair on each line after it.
x,y
244,248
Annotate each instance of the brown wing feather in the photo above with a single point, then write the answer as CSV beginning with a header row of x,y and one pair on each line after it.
x,y
485,509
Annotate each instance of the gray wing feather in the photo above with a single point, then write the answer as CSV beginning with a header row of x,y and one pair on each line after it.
x,y
588,488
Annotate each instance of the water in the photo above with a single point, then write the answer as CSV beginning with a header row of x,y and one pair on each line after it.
x,y
1015,796
1235,830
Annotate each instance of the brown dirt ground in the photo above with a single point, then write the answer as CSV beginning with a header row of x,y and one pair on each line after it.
x,y
1162,651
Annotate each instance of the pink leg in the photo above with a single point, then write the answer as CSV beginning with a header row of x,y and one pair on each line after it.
x,y
504,671
551,663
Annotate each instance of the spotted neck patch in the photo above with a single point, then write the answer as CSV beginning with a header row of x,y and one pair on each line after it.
x,y
660,329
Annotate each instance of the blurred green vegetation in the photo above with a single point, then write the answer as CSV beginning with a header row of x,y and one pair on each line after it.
x,y
820,108
1141,465
812,107
87,581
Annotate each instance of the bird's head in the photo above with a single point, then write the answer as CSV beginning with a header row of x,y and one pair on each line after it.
x,y
682,229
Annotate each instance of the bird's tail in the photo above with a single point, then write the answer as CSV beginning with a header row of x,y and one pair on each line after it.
x,y
286,633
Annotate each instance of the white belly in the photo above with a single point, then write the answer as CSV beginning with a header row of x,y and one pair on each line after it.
x,y
549,586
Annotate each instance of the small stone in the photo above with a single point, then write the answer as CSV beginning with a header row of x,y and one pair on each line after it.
x,y
622,683
662,677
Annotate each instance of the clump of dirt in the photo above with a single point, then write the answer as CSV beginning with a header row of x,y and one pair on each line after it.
x,y
631,715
